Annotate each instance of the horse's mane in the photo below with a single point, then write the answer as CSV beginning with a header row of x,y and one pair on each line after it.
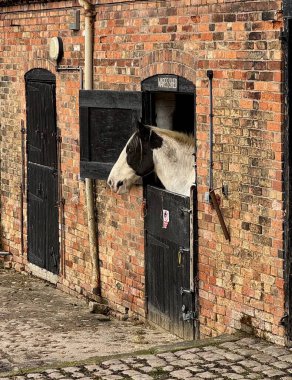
x,y
180,137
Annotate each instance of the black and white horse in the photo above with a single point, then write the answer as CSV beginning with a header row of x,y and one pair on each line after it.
x,y
167,153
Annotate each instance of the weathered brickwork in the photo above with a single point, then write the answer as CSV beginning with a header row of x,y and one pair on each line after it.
x,y
241,282
24,47
121,248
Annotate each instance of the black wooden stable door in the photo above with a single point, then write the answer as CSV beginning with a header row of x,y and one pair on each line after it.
x,y
42,174
171,304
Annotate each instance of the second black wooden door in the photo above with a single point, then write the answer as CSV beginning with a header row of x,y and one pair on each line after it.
x,y
171,304
42,174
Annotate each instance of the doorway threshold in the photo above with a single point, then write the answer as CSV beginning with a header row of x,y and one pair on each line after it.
x,y
43,273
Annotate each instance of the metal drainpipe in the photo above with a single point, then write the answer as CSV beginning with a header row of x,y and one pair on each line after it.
x,y
89,13
211,184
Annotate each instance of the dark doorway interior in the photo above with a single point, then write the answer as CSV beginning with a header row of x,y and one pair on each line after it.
x,y
168,110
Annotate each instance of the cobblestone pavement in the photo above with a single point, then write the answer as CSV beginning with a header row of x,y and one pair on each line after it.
x,y
236,358
40,325
48,335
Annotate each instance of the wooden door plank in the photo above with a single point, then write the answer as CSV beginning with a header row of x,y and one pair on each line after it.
x,y
166,274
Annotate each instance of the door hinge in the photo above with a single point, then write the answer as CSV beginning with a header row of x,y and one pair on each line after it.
x,y
283,36
185,291
284,320
60,202
53,254
144,208
188,316
183,250
185,210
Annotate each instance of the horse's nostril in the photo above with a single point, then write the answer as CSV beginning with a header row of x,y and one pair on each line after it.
x,y
119,184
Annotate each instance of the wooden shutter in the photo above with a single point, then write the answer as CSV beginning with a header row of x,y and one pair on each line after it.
x,y
107,120
287,8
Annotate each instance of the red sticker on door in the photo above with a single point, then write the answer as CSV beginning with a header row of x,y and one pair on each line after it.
x,y
165,214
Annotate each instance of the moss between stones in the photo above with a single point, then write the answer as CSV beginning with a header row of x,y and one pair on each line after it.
x,y
151,351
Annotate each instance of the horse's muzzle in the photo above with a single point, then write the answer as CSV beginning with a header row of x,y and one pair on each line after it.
x,y
115,186
119,184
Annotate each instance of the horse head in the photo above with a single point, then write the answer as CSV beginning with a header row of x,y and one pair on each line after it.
x,y
135,160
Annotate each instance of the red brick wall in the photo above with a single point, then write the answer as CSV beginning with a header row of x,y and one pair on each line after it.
x,y
120,228
121,248
25,32
241,282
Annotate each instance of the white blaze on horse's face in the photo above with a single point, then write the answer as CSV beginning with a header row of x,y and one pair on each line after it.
x,y
136,160
122,177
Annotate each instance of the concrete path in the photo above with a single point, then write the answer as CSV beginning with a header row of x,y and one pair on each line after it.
x,y
48,335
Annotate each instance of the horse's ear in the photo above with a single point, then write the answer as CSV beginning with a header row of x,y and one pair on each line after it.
x,y
147,134
144,131
155,140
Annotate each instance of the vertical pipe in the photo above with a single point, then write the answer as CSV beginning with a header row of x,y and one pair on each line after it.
x,y
61,203
89,14
88,65
22,185
81,77
210,76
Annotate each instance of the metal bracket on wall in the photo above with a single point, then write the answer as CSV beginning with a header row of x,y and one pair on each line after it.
x,y
5,254
72,68
67,68
219,213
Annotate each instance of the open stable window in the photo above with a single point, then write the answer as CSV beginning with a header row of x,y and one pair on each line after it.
x,y
168,103
107,120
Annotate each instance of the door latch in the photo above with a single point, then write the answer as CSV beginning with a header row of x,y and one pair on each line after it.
x,y
188,316
180,252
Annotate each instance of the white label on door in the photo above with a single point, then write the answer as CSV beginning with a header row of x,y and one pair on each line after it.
x,y
165,218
